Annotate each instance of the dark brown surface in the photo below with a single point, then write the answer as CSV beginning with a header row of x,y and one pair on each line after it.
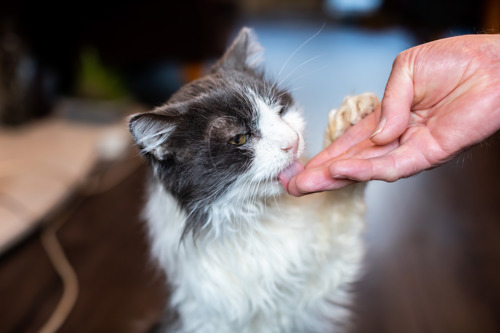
x,y
105,242
433,262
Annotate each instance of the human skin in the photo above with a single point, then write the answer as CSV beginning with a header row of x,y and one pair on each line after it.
x,y
440,98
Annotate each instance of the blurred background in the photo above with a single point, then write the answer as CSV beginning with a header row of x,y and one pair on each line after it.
x,y
73,252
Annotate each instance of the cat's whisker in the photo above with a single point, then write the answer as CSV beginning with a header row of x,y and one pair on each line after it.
x,y
295,52
289,91
306,74
297,68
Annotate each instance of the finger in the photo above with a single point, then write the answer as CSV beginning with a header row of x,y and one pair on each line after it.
x,y
323,178
362,150
315,180
381,168
400,163
397,101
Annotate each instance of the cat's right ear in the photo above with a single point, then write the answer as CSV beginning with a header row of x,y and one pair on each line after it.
x,y
151,132
243,53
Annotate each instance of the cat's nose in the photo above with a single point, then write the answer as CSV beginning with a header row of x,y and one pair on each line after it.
x,y
291,145
287,148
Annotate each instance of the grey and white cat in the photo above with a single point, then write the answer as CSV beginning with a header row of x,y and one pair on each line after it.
x,y
239,253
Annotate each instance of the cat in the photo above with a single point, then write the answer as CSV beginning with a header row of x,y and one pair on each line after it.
x,y
239,253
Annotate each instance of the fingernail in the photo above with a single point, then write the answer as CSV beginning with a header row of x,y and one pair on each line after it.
x,y
380,127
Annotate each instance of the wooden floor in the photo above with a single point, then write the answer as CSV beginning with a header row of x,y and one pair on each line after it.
x,y
433,260
105,242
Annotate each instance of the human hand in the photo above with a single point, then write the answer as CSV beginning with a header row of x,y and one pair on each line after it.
x,y
441,97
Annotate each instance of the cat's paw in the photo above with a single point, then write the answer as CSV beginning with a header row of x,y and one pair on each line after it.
x,y
352,110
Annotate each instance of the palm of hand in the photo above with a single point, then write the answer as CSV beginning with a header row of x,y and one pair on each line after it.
x,y
441,97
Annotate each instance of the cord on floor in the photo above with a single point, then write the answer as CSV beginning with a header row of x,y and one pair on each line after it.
x,y
69,279
94,186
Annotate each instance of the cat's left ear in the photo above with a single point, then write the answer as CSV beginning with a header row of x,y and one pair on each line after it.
x,y
244,53
151,131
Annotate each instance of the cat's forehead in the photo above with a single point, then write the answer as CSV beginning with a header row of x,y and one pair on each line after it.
x,y
226,103
240,91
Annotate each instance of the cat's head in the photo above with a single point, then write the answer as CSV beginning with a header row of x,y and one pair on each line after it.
x,y
224,137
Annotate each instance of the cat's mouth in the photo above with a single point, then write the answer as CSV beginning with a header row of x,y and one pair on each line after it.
x,y
287,174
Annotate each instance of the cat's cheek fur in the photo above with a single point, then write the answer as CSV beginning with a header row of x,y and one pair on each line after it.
x,y
281,141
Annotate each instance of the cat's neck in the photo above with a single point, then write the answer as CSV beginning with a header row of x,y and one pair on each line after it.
x,y
232,214
237,213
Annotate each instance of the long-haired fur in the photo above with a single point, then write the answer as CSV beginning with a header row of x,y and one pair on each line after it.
x,y
240,254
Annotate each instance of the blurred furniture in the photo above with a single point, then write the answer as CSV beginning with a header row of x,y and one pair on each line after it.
x,y
41,165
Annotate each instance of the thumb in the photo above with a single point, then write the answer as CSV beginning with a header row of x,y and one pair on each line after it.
x,y
396,103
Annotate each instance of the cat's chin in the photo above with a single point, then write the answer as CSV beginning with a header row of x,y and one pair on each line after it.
x,y
279,184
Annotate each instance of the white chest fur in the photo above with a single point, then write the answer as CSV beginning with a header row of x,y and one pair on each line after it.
x,y
287,271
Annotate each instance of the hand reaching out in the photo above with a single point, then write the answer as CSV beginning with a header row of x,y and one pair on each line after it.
x,y
440,98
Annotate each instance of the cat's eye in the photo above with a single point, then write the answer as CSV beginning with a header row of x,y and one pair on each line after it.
x,y
239,139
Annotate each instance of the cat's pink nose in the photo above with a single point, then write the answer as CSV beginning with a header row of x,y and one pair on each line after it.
x,y
291,146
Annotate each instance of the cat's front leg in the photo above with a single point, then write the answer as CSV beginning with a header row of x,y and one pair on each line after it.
x,y
352,110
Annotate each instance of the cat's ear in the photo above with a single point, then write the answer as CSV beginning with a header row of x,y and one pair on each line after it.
x,y
245,52
151,130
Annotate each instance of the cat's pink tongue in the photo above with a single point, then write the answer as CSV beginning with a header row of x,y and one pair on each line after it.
x,y
289,172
